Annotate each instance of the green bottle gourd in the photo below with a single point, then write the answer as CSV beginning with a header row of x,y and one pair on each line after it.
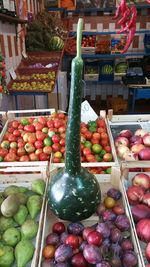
x,y
73,192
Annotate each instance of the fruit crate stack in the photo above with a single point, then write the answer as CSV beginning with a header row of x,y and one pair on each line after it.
x,y
23,197
97,224
136,185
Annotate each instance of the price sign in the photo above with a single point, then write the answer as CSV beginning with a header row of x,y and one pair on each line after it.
x,y
12,73
87,113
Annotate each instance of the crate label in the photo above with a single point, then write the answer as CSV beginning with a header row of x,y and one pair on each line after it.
x,y
12,73
87,113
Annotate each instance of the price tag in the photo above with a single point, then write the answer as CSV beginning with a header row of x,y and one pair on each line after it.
x,y
12,73
87,113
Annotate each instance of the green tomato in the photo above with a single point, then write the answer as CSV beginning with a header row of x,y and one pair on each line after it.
x,y
1,159
24,121
88,144
45,130
50,133
98,158
92,129
92,124
96,148
108,170
5,144
47,141
102,153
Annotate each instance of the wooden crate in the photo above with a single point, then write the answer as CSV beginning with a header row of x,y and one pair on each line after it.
x,y
18,115
126,177
24,178
106,181
118,104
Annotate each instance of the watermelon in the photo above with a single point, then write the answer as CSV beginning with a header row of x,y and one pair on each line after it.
x,y
56,43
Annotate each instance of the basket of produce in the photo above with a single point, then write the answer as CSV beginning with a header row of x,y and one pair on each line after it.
x,y
117,44
88,44
70,46
31,86
91,71
136,184
103,44
21,220
98,240
106,70
121,67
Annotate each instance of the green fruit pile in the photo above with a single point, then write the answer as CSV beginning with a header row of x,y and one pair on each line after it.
x,y
107,70
51,75
19,209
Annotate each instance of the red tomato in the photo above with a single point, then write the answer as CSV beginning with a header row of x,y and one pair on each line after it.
x,y
38,126
13,150
62,129
10,157
58,228
3,152
32,138
57,123
30,120
96,136
72,240
40,135
107,149
86,151
38,144
21,144
12,138
104,142
29,128
55,138
62,150
83,130
15,124
101,130
10,129
38,151
88,135
56,147
63,135
21,151
33,157
61,115
83,124
56,160
43,156
24,158
94,141
62,142
107,157
20,127
101,123
83,159
50,124
49,251
91,158
13,145
47,150
104,136
16,133
6,136
42,120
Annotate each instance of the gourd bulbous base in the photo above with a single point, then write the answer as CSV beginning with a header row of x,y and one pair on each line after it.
x,y
74,197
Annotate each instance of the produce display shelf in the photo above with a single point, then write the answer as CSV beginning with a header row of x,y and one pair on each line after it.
x,y
106,182
126,178
18,115
24,178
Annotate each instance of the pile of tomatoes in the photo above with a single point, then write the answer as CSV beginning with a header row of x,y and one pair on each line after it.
x,y
35,139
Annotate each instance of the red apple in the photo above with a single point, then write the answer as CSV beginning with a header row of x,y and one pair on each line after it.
x,y
137,148
141,179
126,133
121,141
146,139
140,132
122,149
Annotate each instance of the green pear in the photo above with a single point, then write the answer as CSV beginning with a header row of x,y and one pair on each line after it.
x,y
6,256
10,206
21,197
24,252
38,186
11,236
12,189
34,204
29,229
6,223
21,215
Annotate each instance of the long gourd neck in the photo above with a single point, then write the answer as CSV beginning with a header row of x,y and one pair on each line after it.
x,y
73,161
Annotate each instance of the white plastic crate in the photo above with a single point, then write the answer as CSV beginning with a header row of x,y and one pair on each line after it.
x,y
24,178
106,181
126,178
